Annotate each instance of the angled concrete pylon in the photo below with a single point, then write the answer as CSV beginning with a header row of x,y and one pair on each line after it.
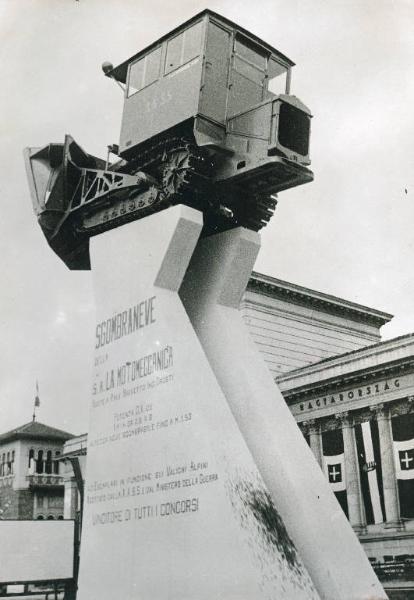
x,y
175,506
211,292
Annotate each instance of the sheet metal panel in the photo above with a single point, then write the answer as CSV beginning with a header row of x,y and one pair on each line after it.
x,y
213,99
169,101
36,550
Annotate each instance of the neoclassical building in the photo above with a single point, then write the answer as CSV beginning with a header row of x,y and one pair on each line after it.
x,y
360,403
352,396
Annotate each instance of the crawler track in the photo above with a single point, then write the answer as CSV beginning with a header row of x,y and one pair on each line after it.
x,y
184,172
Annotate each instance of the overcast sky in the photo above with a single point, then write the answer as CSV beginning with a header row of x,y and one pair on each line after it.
x,y
349,233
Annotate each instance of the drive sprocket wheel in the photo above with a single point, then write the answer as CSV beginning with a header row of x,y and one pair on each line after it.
x,y
176,173
254,211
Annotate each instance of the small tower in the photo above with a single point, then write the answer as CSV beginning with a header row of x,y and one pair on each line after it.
x,y
31,485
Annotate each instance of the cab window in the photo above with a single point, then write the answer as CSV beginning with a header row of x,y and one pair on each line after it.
x,y
250,60
248,51
249,71
174,48
183,48
277,75
144,71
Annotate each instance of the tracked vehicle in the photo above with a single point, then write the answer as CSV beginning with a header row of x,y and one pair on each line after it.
x,y
208,121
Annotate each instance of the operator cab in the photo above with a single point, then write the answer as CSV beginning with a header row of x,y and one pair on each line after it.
x,y
203,74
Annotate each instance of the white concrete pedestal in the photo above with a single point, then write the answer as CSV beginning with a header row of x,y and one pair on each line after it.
x,y
183,436
211,292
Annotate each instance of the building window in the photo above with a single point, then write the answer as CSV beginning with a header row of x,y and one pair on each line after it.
x,y
40,501
39,462
56,465
40,518
2,466
51,518
31,457
48,465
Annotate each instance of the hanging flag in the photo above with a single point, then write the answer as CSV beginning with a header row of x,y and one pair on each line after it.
x,y
369,459
334,470
36,402
37,399
334,465
403,436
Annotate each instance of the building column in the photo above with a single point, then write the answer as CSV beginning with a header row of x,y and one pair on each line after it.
x,y
389,480
70,499
315,440
356,511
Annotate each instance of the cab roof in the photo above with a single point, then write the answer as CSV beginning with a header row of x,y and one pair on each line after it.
x,y
120,72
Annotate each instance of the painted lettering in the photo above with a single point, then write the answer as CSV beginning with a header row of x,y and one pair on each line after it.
x,y
126,322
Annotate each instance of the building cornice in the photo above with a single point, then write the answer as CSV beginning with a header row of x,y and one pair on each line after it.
x,y
383,536
384,359
289,292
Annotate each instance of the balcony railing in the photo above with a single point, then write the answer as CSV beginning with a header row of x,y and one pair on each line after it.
x,y
43,479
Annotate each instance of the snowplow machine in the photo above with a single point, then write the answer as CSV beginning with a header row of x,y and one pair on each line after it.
x,y
208,121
